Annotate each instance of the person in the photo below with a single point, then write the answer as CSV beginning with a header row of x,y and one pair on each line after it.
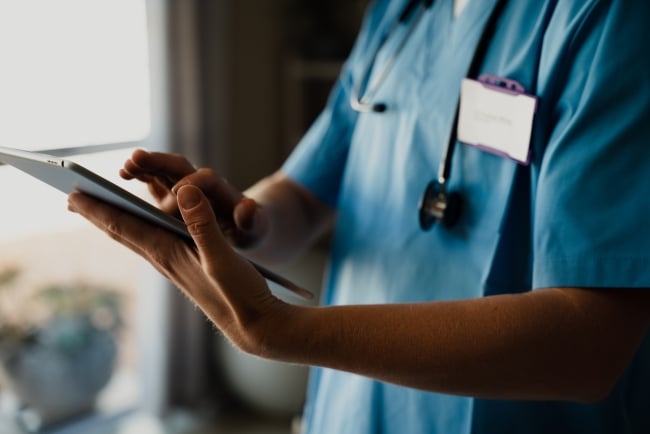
x,y
529,315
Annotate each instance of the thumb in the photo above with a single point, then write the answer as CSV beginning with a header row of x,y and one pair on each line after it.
x,y
201,223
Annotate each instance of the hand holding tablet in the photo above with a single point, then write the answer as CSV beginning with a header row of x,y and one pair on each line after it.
x,y
68,177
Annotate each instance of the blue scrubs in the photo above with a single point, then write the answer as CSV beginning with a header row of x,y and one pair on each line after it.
x,y
577,216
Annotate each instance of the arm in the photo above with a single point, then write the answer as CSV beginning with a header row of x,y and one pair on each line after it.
x,y
565,344
561,343
296,219
273,221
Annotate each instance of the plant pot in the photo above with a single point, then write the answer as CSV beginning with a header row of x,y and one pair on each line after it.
x,y
273,388
59,375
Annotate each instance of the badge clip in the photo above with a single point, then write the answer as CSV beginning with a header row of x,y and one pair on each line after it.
x,y
502,84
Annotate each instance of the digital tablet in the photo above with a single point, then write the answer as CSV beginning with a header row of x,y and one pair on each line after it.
x,y
68,176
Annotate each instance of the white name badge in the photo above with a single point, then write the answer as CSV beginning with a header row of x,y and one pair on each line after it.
x,y
496,115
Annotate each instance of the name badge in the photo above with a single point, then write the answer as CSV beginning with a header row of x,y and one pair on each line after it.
x,y
496,115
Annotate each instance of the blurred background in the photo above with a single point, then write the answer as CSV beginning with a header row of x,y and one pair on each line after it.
x,y
92,340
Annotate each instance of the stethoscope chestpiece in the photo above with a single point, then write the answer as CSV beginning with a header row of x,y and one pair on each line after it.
x,y
438,206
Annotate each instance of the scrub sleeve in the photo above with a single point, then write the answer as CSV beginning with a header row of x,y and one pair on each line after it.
x,y
592,198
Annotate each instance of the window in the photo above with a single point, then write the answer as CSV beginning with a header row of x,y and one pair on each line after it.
x,y
76,80
75,74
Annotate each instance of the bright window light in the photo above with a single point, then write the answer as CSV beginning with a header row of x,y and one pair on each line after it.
x,y
73,73
33,208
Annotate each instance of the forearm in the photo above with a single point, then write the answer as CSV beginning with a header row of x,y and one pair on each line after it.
x,y
296,219
549,344
559,343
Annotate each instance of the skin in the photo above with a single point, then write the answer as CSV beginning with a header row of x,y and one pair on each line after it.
x,y
551,344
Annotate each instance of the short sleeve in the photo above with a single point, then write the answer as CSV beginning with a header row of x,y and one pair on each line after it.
x,y
591,214
318,162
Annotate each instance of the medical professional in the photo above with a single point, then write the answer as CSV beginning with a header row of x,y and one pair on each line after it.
x,y
514,297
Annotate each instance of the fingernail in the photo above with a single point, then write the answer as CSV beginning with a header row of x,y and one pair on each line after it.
x,y
177,187
188,197
250,207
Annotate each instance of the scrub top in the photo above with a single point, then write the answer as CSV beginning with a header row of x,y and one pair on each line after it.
x,y
576,216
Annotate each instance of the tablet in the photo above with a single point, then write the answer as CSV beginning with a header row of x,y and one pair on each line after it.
x,y
68,177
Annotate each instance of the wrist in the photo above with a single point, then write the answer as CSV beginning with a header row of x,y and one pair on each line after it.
x,y
279,333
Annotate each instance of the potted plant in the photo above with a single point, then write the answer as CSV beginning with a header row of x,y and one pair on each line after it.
x,y
57,345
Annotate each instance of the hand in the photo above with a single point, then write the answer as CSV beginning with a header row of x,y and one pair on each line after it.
x,y
242,220
223,284
160,172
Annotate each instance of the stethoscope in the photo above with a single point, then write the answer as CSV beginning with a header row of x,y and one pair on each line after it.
x,y
436,204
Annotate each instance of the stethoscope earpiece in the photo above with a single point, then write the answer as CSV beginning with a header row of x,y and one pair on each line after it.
x,y
438,206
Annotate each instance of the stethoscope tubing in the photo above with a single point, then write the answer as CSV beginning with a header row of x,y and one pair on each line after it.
x,y
435,205
360,100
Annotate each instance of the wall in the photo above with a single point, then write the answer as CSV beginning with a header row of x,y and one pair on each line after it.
x,y
248,52
240,52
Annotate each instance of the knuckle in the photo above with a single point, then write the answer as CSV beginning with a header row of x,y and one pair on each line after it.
x,y
200,232
162,257
114,229
198,227
206,172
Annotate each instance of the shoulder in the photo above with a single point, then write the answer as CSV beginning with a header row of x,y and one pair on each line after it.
x,y
602,42
617,19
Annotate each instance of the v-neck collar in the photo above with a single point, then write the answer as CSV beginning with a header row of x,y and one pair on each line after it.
x,y
475,14
459,8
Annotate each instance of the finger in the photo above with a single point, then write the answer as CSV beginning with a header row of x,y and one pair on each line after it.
x,y
176,166
158,190
228,269
246,214
160,172
131,171
223,196
251,223
163,196
169,168
240,218
202,225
